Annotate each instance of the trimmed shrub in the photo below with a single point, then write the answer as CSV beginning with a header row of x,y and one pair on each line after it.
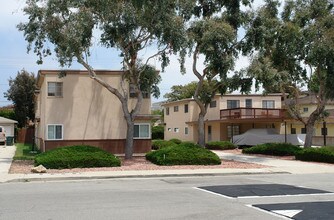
x,y
183,154
158,132
316,154
276,149
330,148
176,141
158,144
76,156
220,145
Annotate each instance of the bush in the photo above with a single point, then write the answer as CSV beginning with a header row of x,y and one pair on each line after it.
x,y
220,145
183,154
158,132
316,154
76,156
277,149
158,144
176,141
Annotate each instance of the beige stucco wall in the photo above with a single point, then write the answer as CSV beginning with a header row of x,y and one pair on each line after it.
x,y
87,110
256,99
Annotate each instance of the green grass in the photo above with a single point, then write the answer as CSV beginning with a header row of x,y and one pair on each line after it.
x,y
23,152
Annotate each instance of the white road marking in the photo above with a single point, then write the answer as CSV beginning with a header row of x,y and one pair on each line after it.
x,y
217,194
288,213
268,212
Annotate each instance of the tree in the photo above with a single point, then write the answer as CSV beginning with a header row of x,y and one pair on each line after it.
x,y
129,26
213,34
295,50
179,92
21,92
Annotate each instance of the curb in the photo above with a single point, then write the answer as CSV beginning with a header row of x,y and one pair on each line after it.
x,y
74,178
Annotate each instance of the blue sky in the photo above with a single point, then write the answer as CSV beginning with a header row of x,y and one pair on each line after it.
x,y
14,57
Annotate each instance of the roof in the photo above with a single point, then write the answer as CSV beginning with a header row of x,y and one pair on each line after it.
x,y
7,121
42,73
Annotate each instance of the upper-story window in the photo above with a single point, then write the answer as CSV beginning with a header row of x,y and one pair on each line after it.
x,y
268,104
167,110
233,103
55,89
213,104
186,108
249,103
305,109
176,108
146,95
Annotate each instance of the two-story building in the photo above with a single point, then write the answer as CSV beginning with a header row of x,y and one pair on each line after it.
x,y
227,115
75,109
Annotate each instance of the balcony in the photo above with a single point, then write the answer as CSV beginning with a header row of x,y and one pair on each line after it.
x,y
251,113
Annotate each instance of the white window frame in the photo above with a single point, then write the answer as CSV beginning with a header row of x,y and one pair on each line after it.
x,y
56,95
149,131
55,139
186,130
266,102
176,130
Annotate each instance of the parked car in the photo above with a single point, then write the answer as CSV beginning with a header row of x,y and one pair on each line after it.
x,y
2,136
257,136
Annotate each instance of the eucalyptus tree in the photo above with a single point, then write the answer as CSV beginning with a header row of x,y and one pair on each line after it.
x,y
213,34
71,27
295,50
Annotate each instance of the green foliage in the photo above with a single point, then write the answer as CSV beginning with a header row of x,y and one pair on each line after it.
x,y
316,154
220,145
276,149
176,141
7,113
189,154
158,144
158,132
179,92
21,91
23,152
76,156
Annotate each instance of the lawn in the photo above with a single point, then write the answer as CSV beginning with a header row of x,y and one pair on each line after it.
x,y
23,152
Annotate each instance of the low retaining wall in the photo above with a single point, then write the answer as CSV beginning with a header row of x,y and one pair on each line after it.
x,y
112,146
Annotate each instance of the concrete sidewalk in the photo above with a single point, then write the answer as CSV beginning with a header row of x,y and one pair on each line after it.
x,y
289,166
274,166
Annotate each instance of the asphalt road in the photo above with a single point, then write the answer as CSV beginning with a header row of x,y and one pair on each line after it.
x,y
171,198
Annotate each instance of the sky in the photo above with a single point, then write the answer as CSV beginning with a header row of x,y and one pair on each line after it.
x,y
14,56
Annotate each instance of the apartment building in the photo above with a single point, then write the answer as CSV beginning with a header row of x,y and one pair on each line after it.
x,y
75,109
227,115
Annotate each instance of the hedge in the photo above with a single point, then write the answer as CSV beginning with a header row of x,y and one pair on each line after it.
x,y
158,132
176,141
80,156
157,144
220,145
276,149
316,154
183,154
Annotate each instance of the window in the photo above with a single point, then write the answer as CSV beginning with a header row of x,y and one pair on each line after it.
x,y
233,103
249,103
268,104
55,132
293,130
142,131
169,129
235,131
186,130
176,130
167,110
305,109
55,89
209,133
186,108
303,130
176,108
132,93
213,104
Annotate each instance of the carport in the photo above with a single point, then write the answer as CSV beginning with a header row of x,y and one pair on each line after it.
x,y
9,126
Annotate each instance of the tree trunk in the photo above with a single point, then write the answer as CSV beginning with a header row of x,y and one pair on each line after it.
x,y
129,138
309,130
201,130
